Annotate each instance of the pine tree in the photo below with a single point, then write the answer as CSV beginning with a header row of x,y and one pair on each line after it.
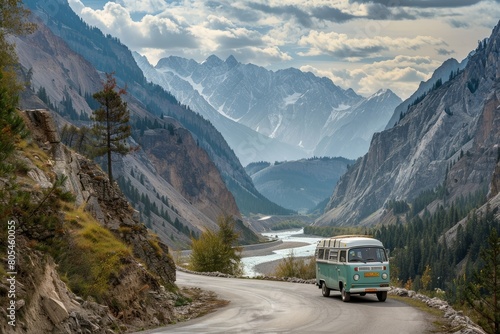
x,y
483,293
111,126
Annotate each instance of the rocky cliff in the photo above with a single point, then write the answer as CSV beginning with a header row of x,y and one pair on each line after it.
x,y
449,137
85,230
443,73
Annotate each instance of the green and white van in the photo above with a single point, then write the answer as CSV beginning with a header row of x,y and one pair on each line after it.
x,y
352,264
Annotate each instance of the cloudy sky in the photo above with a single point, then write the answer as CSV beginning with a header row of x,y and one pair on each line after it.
x,y
359,44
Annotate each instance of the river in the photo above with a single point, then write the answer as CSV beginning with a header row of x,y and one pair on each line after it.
x,y
290,236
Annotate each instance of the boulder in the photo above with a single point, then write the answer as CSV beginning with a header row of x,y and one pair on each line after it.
x,y
55,309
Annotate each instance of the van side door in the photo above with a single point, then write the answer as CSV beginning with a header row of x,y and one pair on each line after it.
x,y
334,257
341,269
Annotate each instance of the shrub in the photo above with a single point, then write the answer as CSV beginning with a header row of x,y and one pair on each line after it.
x,y
214,251
299,267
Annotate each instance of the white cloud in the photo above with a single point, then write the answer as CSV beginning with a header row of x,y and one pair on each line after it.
x,y
401,74
485,14
342,46
150,32
196,32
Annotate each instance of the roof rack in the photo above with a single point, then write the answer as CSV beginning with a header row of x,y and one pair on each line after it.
x,y
351,236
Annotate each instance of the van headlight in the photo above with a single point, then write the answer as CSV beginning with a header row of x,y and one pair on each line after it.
x,y
384,276
356,277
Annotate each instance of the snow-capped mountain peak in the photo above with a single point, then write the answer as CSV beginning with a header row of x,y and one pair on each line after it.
x,y
289,105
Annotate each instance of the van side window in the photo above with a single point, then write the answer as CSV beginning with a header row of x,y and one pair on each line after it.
x,y
327,254
321,251
334,255
342,256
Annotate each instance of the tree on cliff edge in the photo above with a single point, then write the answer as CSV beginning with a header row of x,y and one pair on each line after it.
x,y
111,122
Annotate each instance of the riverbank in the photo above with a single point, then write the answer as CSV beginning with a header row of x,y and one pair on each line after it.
x,y
268,250
269,268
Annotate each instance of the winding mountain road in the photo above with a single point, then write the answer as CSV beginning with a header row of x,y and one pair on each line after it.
x,y
260,306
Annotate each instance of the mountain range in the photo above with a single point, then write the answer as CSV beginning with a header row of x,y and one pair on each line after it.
x,y
299,114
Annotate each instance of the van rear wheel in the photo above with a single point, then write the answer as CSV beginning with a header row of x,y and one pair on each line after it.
x,y
346,296
325,290
382,296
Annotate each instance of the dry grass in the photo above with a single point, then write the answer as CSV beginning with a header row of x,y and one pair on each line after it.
x,y
93,256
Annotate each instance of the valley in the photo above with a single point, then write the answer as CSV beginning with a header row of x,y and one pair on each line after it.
x,y
226,153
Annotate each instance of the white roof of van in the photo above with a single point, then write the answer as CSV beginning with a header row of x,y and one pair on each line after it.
x,y
348,241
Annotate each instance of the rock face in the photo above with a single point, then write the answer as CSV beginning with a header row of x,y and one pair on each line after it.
x,y
443,73
105,202
457,124
189,169
55,309
495,183
138,298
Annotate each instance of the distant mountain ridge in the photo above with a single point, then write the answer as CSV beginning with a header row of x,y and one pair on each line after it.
x,y
298,185
449,139
294,107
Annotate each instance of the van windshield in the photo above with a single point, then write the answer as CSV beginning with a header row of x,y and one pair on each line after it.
x,y
367,254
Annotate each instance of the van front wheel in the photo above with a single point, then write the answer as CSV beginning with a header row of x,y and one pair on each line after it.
x,y
325,290
382,296
346,296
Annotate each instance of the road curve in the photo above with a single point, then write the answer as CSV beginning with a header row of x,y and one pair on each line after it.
x,y
259,306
